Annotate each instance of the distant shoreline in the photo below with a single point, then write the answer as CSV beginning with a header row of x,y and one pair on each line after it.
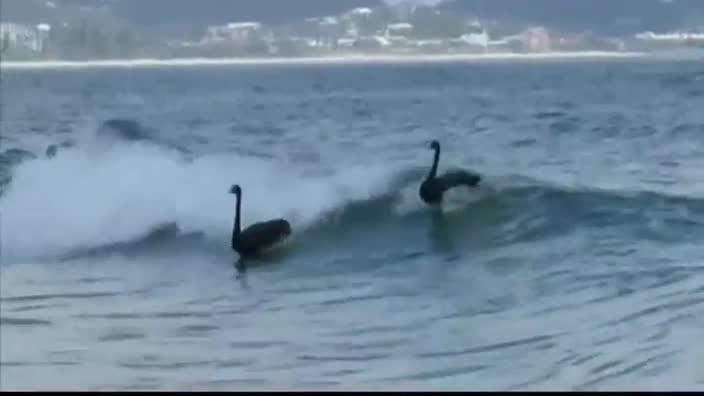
x,y
321,60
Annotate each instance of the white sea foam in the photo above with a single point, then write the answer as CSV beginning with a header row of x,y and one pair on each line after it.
x,y
95,194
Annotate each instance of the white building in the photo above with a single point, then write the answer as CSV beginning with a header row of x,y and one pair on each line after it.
x,y
43,30
475,39
324,30
398,30
33,38
233,31
355,20
361,11
16,34
243,30
676,37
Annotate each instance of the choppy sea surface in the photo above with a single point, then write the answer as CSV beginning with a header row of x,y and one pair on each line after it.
x,y
578,265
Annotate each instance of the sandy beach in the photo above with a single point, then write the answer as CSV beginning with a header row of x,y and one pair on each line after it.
x,y
322,60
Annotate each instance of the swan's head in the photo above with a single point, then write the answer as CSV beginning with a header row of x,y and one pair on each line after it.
x,y
235,189
435,145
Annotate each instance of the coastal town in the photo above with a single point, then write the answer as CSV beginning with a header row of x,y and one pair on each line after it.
x,y
403,29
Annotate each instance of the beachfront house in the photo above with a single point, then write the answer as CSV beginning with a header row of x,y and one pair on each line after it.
x,y
358,22
671,39
536,39
473,42
24,37
234,32
322,32
398,31
42,40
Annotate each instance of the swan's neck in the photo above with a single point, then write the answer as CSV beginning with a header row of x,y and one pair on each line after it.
x,y
236,228
434,169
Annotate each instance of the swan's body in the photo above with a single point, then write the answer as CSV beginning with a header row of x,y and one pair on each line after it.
x,y
51,151
258,237
434,187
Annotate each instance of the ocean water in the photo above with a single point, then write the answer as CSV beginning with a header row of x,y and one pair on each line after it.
x,y
578,265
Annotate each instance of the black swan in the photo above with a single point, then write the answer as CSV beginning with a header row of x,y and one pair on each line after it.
x,y
51,151
434,187
257,237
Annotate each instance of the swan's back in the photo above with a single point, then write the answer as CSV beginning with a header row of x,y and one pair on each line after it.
x,y
432,189
458,177
261,236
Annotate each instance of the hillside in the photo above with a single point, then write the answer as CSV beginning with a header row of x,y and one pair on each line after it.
x,y
180,14
205,12
601,16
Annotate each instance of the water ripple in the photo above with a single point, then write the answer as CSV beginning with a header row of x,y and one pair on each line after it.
x,y
6,321
589,229
488,348
41,297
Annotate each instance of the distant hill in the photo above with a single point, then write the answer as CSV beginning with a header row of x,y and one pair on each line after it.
x,y
174,17
29,11
182,15
205,12
602,16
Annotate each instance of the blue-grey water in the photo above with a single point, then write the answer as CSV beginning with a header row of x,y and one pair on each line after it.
x,y
578,265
